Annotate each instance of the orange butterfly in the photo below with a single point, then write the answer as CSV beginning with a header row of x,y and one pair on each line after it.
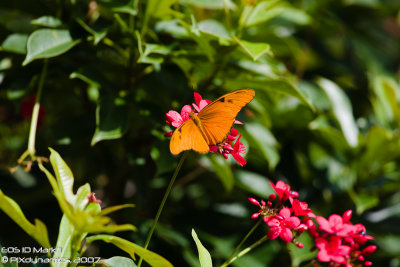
x,y
211,125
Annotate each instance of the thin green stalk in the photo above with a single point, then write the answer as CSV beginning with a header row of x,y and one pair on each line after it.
x,y
35,112
171,183
240,244
245,251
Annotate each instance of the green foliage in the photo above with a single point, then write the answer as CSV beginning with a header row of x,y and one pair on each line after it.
x,y
325,118
204,255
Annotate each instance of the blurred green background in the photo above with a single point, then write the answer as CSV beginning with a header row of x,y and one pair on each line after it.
x,y
325,118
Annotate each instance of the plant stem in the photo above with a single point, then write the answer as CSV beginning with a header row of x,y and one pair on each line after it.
x,y
245,251
229,260
35,112
171,183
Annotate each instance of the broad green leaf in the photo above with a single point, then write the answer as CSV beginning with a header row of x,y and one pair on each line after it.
x,y
215,29
64,240
161,9
118,261
254,50
112,119
262,12
118,6
15,43
223,170
172,27
64,176
131,248
47,43
299,255
285,87
47,21
385,104
262,140
38,230
364,201
342,110
210,4
254,183
204,255
295,15
81,197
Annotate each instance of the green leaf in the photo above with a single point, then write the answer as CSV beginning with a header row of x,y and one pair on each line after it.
x,y
64,176
111,209
204,255
210,4
262,12
254,50
286,88
38,230
63,242
262,140
131,248
47,43
216,29
15,43
254,183
342,110
385,104
162,9
112,119
223,170
306,253
364,201
118,261
47,21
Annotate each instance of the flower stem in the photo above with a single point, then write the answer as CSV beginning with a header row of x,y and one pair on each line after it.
x,y
229,260
245,251
171,183
35,116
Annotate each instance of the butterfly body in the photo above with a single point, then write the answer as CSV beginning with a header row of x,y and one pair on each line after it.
x,y
211,125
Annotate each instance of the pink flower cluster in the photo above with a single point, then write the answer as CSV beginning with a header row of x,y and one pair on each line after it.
x,y
175,119
337,240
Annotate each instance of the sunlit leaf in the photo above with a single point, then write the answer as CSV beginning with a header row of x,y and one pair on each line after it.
x,y
38,230
254,50
342,110
254,183
15,43
47,21
131,248
47,43
118,261
204,255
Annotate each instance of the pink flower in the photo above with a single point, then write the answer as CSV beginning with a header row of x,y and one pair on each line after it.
x,y
200,102
239,148
301,208
283,191
331,249
334,225
282,225
175,119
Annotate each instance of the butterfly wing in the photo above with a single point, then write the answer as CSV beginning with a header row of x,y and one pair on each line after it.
x,y
186,137
218,117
